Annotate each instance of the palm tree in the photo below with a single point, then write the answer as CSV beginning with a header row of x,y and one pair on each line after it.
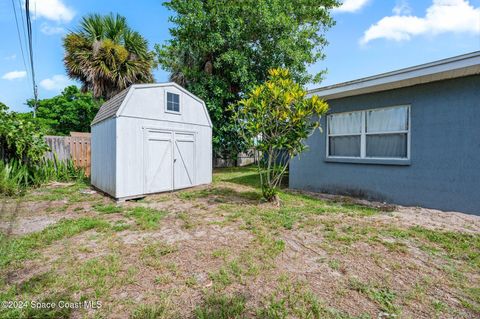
x,y
107,56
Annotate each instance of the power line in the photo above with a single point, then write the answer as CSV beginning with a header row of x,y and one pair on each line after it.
x,y
19,36
30,49
23,23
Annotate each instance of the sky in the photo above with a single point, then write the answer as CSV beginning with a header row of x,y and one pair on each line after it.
x,y
370,37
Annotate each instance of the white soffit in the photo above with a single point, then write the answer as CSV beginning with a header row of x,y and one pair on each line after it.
x,y
459,66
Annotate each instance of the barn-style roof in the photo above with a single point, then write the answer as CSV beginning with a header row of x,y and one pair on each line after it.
x,y
110,108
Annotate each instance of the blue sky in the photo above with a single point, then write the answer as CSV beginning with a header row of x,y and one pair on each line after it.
x,y
370,37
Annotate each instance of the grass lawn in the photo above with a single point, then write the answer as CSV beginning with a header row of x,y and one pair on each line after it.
x,y
219,251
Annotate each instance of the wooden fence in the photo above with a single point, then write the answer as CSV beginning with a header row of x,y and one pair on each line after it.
x,y
75,147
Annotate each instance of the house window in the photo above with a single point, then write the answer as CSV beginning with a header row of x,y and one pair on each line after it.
x,y
173,102
370,134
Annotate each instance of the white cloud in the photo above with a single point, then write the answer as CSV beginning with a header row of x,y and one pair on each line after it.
x,y
54,10
402,8
352,5
49,30
442,16
14,75
56,83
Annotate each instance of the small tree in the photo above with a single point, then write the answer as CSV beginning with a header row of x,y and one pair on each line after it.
x,y
275,118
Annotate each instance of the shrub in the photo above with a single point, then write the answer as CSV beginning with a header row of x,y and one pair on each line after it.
x,y
16,176
21,137
22,150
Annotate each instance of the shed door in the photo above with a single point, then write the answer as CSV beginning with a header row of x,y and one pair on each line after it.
x,y
184,160
158,161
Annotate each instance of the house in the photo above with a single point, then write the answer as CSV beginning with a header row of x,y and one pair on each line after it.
x,y
151,138
410,137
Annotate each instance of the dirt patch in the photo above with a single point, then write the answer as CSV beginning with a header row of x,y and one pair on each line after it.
x,y
223,239
28,225
409,216
433,219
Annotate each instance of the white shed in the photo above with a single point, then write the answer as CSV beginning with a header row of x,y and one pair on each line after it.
x,y
151,138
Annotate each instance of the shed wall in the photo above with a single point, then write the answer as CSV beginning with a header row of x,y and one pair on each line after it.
x,y
130,175
103,156
445,150
149,103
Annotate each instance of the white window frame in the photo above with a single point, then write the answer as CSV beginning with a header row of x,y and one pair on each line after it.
x,y
363,136
179,103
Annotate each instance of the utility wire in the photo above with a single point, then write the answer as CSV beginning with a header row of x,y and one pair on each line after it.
x,y
23,22
20,6
30,49
19,36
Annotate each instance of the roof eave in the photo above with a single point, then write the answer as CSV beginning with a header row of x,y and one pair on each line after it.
x,y
465,65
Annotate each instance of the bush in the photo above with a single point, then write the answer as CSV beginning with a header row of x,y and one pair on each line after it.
x,y
16,177
22,151
21,137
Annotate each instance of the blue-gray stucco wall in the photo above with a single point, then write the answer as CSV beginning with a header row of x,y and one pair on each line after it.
x,y
444,171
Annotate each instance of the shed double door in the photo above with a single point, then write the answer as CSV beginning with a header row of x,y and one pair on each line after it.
x,y
169,160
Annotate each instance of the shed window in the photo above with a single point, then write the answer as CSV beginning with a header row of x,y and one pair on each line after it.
x,y
173,102
371,134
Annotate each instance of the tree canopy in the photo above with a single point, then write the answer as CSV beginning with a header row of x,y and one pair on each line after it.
x,y
220,49
107,56
70,111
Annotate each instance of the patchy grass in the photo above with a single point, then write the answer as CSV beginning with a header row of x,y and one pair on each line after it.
x,y
384,296
21,248
220,251
149,312
41,309
146,218
221,307
187,220
108,209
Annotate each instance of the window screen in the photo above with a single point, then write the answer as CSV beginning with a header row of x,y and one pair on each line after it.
x,y
173,102
387,145
387,133
345,146
378,133
345,134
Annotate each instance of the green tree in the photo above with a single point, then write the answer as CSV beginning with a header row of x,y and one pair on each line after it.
x,y
107,56
71,111
221,48
275,119
21,137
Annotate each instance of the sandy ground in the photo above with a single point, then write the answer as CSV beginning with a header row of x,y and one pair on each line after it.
x,y
306,257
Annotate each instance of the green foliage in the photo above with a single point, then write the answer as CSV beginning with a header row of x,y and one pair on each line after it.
x,y
15,176
71,111
21,137
220,49
22,150
107,56
275,118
